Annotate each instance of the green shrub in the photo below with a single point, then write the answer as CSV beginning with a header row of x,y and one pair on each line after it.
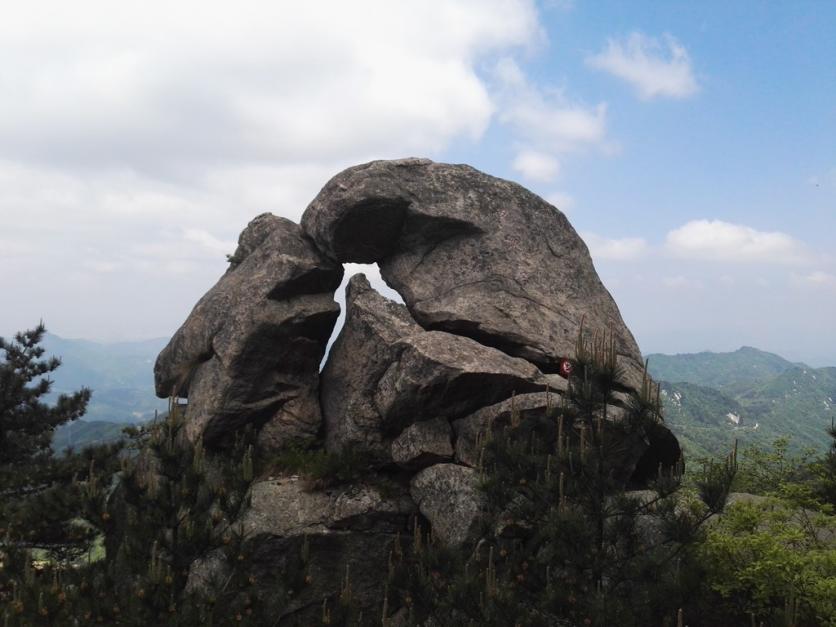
x,y
770,560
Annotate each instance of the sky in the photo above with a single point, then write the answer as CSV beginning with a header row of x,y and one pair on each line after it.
x,y
691,144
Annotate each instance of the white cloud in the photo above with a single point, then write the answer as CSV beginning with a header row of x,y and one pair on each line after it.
x,y
819,278
715,240
11,248
557,125
654,68
137,140
255,83
546,123
536,166
623,249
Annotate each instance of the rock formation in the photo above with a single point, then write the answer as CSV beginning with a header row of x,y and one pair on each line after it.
x,y
472,255
361,354
496,285
250,350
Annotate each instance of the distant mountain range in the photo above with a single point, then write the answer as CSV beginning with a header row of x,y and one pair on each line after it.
x,y
121,376
711,399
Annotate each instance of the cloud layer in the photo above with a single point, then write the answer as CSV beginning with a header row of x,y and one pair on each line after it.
x,y
655,68
546,123
136,141
715,240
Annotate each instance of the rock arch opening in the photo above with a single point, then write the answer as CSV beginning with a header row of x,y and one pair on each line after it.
x,y
372,273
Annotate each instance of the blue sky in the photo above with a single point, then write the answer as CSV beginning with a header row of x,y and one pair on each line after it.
x,y
692,144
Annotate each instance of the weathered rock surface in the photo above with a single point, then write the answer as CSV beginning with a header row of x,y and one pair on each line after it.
x,y
471,254
471,429
496,284
347,530
249,352
449,496
359,357
423,444
285,507
440,375
385,373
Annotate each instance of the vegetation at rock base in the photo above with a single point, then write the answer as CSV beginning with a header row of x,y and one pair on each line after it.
x,y
45,500
563,539
563,542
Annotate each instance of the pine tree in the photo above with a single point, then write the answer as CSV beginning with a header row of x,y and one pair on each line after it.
x,y
26,422
49,508
40,491
563,541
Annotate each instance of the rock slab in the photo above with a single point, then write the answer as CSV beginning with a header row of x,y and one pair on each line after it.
x,y
361,354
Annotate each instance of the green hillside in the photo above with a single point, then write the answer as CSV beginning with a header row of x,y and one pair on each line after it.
x,y
705,420
82,433
748,395
743,367
798,402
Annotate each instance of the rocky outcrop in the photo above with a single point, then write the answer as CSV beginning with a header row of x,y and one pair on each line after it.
x,y
286,507
497,286
249,352
473,429
385,373
449,496
423,444
438,374
361,354
471,255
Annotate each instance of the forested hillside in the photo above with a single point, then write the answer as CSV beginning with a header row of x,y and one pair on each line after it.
x,y
711,399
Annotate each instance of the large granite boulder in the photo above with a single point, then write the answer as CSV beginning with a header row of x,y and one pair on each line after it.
x,y
441,375
250,350
423,444
496,284
312,541
472,430
361,354
471,255
450,498
385,373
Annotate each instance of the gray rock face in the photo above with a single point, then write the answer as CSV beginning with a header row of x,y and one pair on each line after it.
x,y
496,284
449,496
472,255
361,354
249,352
423,444
346,530
471,429
284,507
385,373
440,375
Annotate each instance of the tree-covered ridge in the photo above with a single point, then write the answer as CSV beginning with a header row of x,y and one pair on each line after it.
x,y
745,366
83,433
765,397
706,421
